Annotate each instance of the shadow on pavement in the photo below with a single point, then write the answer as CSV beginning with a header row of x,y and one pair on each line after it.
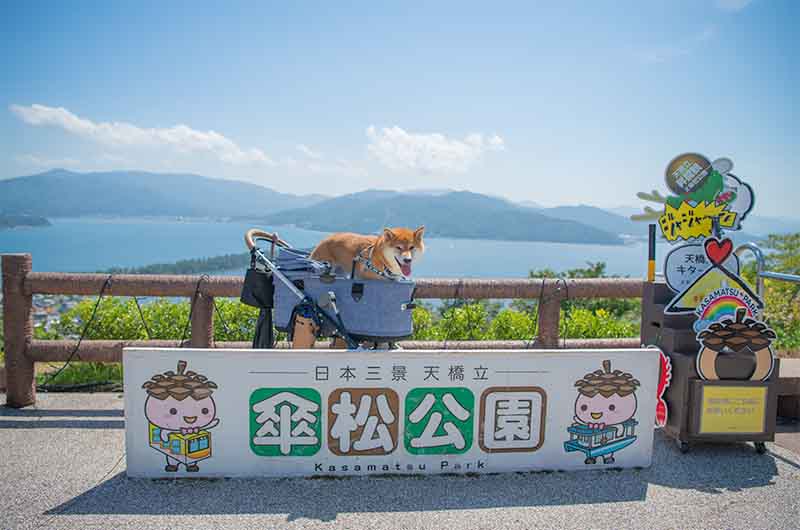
x,y
710,468
62,424
786,461
713,469
6,411
324,499
40,418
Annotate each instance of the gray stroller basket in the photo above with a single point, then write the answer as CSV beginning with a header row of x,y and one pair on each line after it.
x,y
370,310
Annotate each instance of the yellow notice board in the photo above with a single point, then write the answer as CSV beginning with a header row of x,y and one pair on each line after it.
x,y
733,409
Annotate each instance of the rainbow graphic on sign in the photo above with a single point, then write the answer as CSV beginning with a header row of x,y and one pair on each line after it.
x,y
722,307
719,308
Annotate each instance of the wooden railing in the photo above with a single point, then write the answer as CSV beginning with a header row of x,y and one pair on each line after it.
x,y
22,351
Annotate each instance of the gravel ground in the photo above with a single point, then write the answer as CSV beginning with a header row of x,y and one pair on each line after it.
x,y
62,466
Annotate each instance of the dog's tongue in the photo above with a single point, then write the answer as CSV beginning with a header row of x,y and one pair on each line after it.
x,y
406,268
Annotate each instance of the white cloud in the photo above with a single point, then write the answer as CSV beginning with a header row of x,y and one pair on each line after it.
x,y
180,138
400,150
669,52
310,153
732,5
496,143
340,167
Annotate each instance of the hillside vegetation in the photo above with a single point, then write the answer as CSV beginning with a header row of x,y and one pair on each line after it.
x,y
62,193
458,214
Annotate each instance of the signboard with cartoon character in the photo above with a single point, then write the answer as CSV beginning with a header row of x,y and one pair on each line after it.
x,y
734,409
180,411
707,314
737,334
703,190
604,414
716,276
352,413
685,263
708,200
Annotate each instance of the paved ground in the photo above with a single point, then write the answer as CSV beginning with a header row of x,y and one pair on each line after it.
x,y
62,466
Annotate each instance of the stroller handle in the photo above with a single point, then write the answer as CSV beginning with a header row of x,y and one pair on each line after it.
x,y
255,233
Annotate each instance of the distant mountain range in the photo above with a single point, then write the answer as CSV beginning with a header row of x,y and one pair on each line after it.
x,y
15,220
457,214
596,217
446,213
62,193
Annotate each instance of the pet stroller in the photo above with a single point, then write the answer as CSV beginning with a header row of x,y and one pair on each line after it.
x,y
288,284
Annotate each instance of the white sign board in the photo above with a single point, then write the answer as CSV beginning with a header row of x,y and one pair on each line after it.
x,y
684,264
245,413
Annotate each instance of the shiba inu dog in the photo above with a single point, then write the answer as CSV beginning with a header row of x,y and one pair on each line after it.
x,y
387,256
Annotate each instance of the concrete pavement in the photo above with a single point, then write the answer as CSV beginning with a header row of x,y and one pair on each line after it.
x,y
62,466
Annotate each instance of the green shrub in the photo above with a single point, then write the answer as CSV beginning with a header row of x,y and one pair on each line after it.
x,y
618,307
82,373
584,323
423,324
240,319
118,318
468,322
781,299
510,324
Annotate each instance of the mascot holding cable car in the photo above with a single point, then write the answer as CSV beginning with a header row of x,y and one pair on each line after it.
x,y
604,413
180,411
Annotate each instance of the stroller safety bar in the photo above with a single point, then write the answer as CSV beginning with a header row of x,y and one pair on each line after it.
x,y
254,233
277,273
337,323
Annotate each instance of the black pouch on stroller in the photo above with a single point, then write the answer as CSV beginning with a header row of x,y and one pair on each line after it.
x,y
258,291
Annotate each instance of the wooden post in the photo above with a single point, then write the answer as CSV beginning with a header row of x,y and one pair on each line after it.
x,y
18,331
203,322
549,316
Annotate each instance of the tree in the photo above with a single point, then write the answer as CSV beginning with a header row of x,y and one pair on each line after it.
x,y
781,299
623,308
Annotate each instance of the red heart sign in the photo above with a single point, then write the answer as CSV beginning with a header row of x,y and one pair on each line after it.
x,y
718,251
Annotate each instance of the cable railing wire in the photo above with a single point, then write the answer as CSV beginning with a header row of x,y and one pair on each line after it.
x,y
45,386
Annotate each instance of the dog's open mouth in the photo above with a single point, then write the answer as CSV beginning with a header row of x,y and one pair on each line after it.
x,y
405,268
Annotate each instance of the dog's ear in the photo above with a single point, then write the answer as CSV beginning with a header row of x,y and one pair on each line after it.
x,y
388,234
419,232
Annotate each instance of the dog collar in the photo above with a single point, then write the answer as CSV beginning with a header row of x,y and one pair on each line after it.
x,y
385,273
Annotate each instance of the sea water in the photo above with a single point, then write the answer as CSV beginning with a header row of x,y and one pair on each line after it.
x,y
92,244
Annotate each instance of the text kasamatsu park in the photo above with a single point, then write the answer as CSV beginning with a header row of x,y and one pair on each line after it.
x,y
235,413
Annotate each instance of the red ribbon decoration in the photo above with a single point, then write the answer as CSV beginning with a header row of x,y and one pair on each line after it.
x,y
664,378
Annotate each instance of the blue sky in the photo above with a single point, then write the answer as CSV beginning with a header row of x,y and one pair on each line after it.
x,y
554,102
